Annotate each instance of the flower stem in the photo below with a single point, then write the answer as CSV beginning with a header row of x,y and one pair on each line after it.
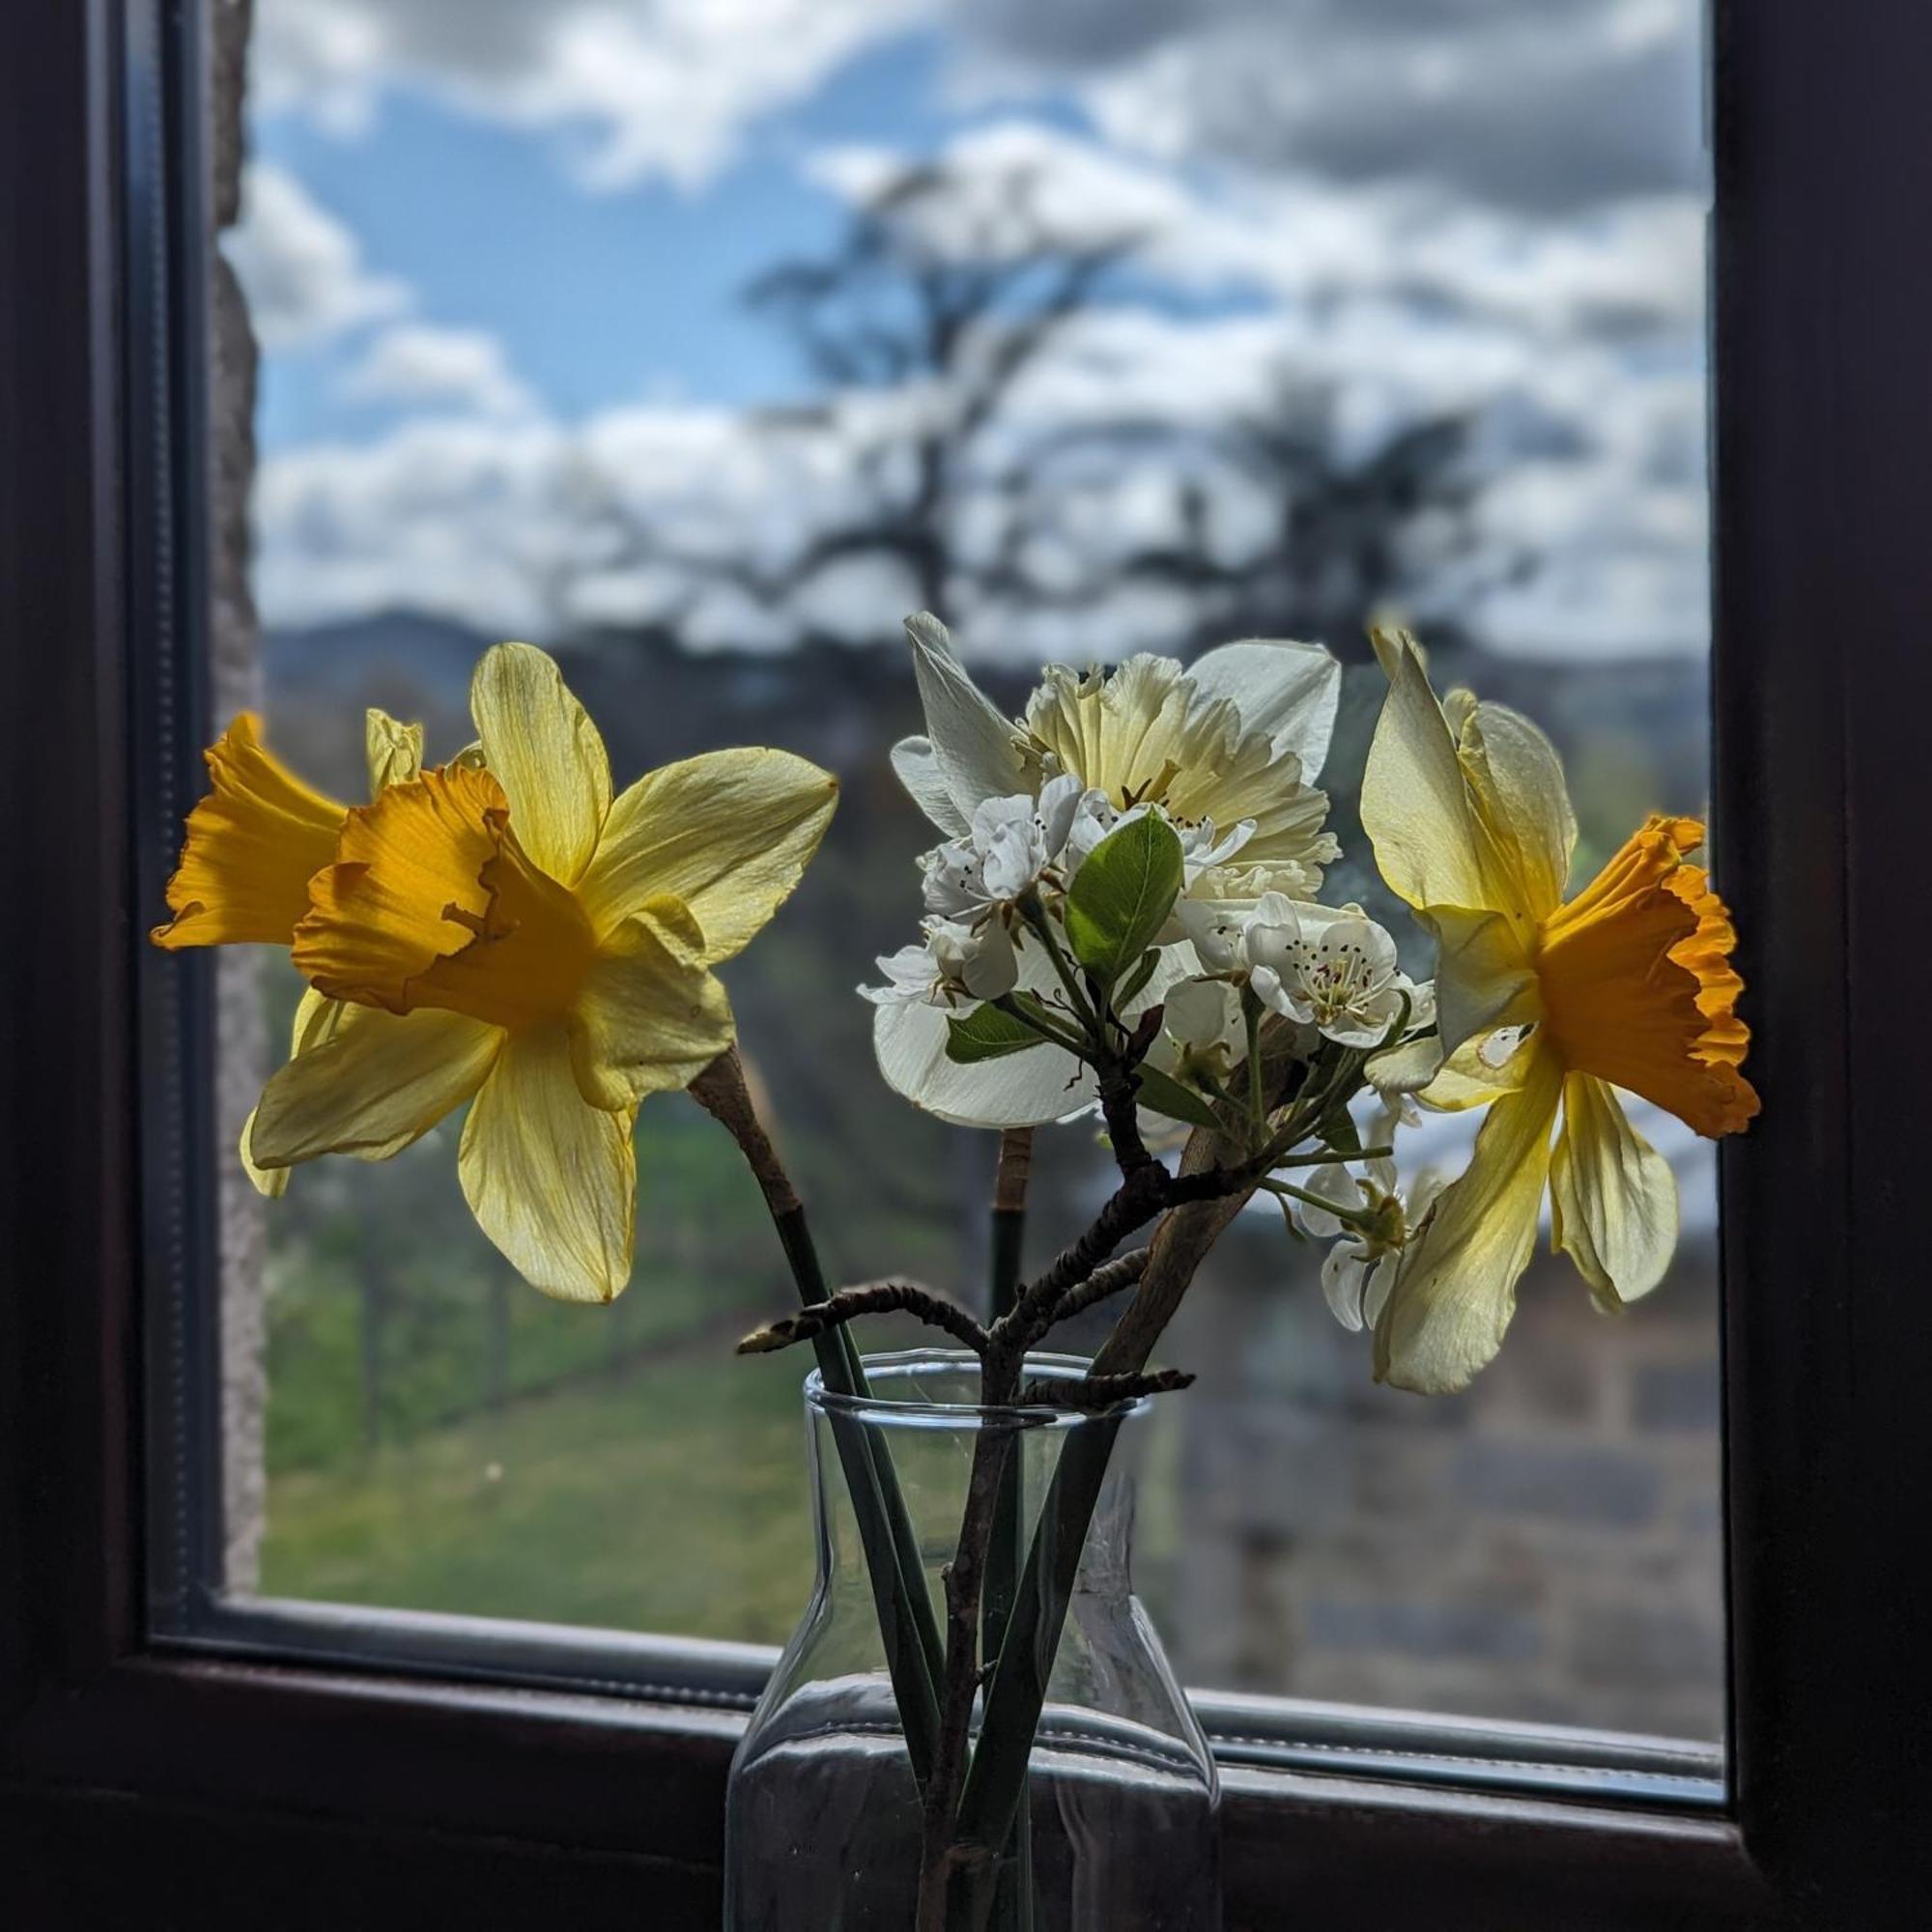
x,y
996,1782
1041,1023
1353,1217
907,1627
1334,1158
1251,1019
1035,915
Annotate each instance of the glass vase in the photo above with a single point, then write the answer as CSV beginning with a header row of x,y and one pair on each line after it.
x,y
1119,1823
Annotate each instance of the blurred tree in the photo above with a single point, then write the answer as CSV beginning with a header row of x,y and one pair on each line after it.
x,y
1285,526
946,288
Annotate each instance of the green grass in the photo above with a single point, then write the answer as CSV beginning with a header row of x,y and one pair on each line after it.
x,y
670,1498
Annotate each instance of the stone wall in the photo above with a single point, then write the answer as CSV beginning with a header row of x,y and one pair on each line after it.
x,y
1547,1546
242,1046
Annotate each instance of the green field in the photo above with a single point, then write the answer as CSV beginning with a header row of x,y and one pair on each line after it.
x,y
441,1438
669,1495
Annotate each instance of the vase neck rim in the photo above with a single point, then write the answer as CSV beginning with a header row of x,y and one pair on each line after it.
x,y
932,1388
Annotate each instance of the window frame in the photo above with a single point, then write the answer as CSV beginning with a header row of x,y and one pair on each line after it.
x,y
293,1770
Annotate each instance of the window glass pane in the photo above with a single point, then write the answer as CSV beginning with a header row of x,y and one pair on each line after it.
x,y
701,342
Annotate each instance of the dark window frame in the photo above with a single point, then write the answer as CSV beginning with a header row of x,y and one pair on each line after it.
x,y
353,1783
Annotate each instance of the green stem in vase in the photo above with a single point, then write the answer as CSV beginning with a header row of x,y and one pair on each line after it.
x,y
893,1563
1013,1903
996,1783
907,1627
997,1780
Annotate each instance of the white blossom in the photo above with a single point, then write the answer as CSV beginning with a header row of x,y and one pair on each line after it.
x,y
1237,738
1335,971
1360,1267
1012,842
947,969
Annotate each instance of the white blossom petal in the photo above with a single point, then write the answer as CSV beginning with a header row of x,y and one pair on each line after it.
x,y
975,750
1288,689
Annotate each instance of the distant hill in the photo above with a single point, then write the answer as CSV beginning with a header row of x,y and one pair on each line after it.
x,y
844,705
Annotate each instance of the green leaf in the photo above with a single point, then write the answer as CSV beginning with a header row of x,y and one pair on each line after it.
x,y
1165,1095
1123,896
986,1034
1136,982
1337,1129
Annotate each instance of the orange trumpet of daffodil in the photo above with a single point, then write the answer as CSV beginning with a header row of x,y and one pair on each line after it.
x,y
497,930
1546,1008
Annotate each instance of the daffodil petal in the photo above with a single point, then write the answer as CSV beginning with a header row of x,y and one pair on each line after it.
x,y
975,749
252,845
407,889
270,1183
1288,689
394,750
315,1020
648,1020
730,833
543,749
383,1078
1518,779
1455,1289
1430,844
915,766
318,1020
1613,1197
552,1179
1484,978
1466,1080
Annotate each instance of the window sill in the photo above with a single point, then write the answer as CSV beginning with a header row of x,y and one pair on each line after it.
x,y
334,1762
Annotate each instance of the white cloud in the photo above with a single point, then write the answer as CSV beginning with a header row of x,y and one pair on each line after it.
x,y
1547,104
634,89
1571,340
495,521
422,364
445,515
301,268
1594,461
1550,103
1011,185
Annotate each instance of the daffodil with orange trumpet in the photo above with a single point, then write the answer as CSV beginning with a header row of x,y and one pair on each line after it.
x,y
1545,1007
499,930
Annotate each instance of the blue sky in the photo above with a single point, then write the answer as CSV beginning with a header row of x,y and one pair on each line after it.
x,y
597,295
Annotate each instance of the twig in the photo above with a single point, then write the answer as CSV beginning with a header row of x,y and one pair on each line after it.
x,y
1100,1391
1140,1196
1122,1112
878,1297
1132,1204
1099,1285
1015,1169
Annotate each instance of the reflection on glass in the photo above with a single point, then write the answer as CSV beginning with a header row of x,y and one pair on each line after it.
x,y
703,342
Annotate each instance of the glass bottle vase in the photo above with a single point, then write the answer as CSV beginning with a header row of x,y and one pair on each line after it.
x,y
1120,1823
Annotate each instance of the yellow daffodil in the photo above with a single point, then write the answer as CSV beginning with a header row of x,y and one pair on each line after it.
x,y
1545,1007
498,931
394,753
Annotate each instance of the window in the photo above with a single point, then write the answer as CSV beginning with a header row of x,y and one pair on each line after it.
x,y
1025,323
355,1717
